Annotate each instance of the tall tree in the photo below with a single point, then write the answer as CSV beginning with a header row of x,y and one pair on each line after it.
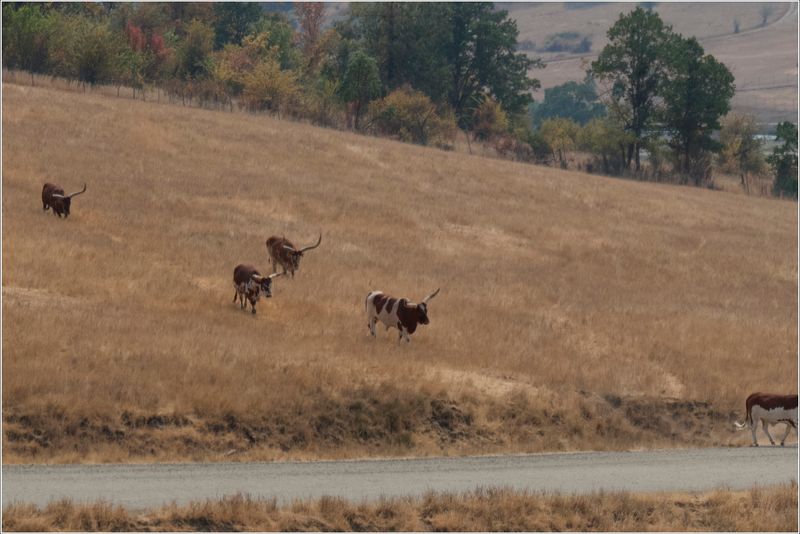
x,y
309,19
26,37
573,100
457,53
783,160
234,20
483,59
696,93
361,84
633,62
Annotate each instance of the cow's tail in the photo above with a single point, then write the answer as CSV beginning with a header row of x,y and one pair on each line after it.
x,y
748,421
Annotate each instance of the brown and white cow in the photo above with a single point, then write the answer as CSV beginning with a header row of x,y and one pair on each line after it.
x,y
250,285
398,313
770,409
53,197
282,252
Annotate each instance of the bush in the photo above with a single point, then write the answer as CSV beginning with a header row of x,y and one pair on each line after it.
x,y
410,115
268,87
606,141
561,135
489,120
568,42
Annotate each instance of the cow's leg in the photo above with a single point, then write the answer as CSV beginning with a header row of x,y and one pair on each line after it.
x,y
765,426
253,305
44,206
786,434
753,427
372,321
235,295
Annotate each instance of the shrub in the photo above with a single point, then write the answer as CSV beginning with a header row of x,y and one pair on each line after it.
x,y
489,120
606,141
410,115
268,87
568,42
561,135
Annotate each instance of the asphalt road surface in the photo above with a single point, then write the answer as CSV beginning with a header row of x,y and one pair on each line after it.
x,y
144,486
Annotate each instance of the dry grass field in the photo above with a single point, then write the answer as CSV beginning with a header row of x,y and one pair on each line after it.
x,y
772,508
762,58
576,312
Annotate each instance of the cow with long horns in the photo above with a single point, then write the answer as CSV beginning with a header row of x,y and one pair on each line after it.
x,y
53,197
397,313
250,285
282,252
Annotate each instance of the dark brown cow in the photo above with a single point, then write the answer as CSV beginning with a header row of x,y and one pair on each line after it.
x,y
397,313
53,197
282,252
250,285
770,408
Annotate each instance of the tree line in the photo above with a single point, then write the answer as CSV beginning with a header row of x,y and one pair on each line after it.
x,y
418,72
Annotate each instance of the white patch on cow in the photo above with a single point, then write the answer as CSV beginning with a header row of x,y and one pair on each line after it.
x,y
770,417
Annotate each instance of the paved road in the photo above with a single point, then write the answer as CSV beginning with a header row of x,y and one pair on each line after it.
x,y
142,486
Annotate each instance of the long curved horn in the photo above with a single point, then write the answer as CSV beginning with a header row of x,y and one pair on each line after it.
x,y
78,192
256,277
290,249
274,275
55,195
429,297
312,246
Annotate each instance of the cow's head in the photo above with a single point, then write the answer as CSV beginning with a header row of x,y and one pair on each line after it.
x,y
296,254
265,283
65,201
422,309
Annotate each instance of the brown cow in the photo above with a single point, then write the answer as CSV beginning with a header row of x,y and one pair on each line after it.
x,y
401,314
250,284
282,252
53,197
770,409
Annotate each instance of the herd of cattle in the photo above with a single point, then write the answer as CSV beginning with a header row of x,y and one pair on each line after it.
x,y
404,315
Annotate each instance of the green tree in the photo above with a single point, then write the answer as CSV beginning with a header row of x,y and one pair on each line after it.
x,y
696,93
26,38
573,100
783,160
457,53
234,21
280,35
741,149
361,84
561,135
633,62
606,140
194,52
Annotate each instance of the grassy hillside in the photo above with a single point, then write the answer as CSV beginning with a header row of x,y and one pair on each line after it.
x,y
576,312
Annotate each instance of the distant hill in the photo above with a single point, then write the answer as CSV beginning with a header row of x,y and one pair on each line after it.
x,y
762,55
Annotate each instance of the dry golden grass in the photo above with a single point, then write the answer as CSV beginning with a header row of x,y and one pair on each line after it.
x,y
576,312
772,508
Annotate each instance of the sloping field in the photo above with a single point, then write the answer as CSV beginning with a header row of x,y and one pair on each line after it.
x,y
762,58
576,312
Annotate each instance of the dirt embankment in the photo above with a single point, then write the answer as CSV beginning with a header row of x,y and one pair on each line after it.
x,y
371,422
